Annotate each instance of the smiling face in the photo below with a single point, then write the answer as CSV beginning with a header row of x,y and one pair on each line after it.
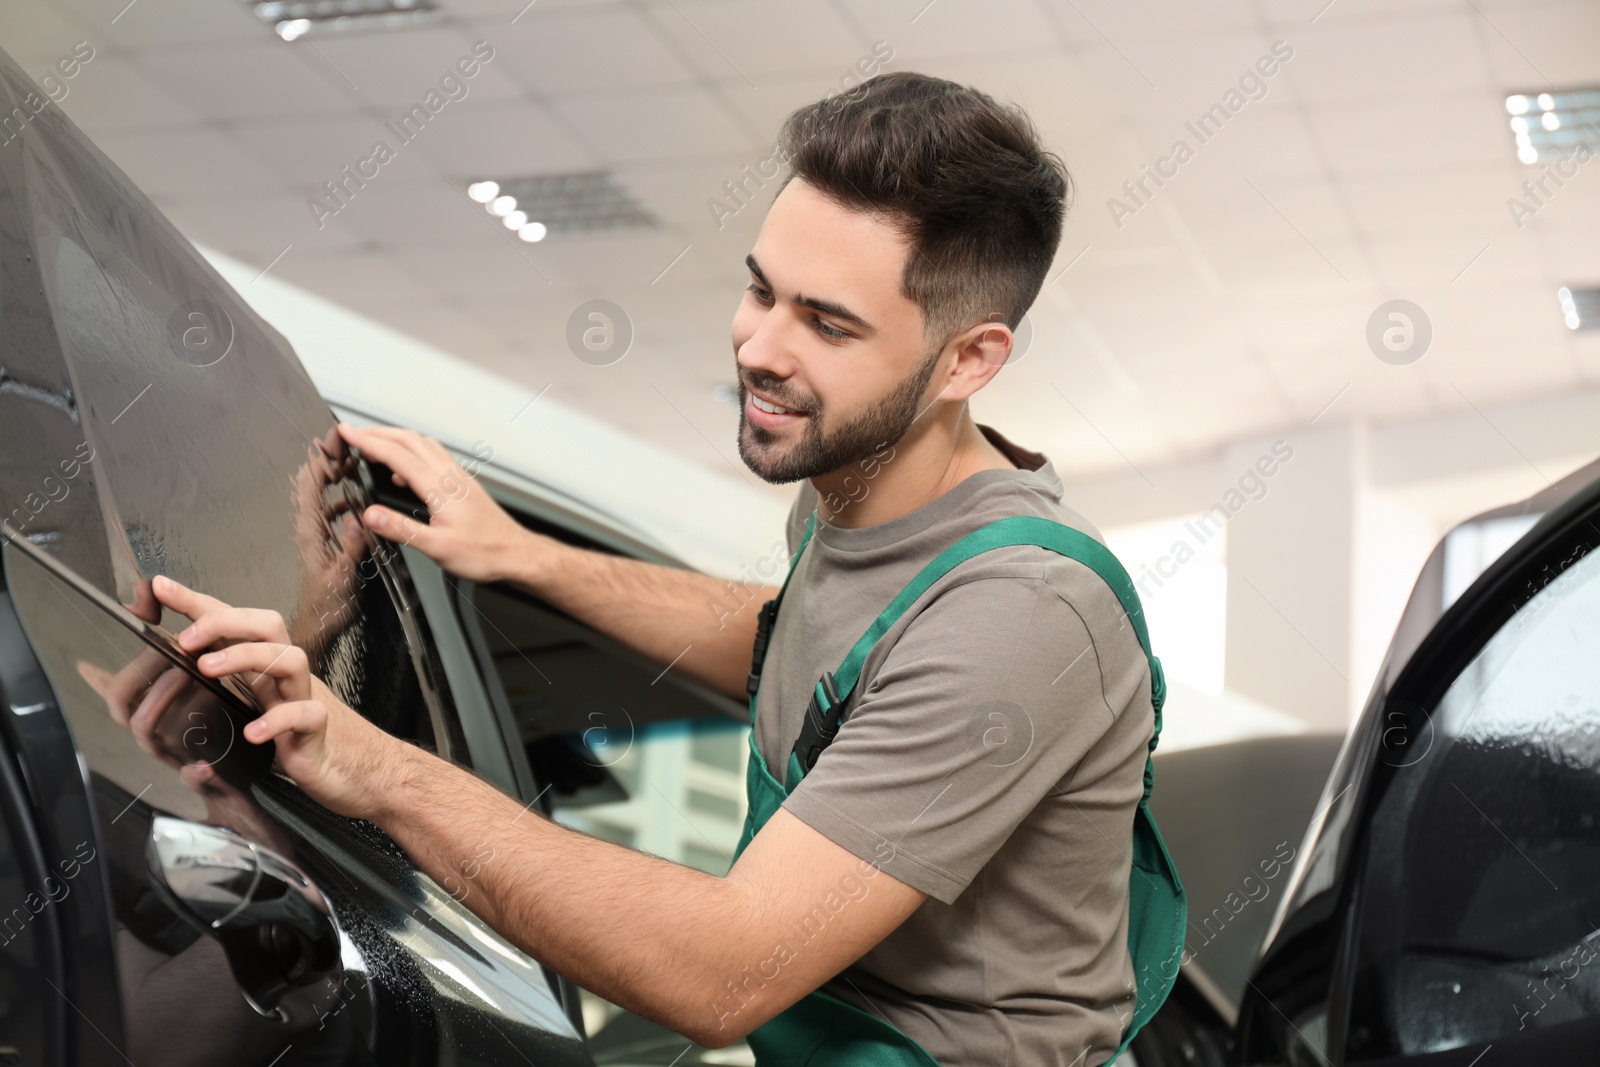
x,y
824,331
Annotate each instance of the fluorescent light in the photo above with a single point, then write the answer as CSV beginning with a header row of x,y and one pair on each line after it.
x,y
1580,308
582,202
533,231
293,19
515,220
1568,120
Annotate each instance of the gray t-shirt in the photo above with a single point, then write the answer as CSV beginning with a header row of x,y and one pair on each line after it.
x,y
993,758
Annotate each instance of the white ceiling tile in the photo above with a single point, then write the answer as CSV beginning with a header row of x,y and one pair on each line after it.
x,y
408,206
393,72
170,24
37,34
504,140
756,39
252,230
260,80
663,124
1534,46
1411,134
1361,60
112,96
164,162
560,52
307,151
944,29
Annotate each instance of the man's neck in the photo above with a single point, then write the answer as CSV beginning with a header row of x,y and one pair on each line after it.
x,y
921,468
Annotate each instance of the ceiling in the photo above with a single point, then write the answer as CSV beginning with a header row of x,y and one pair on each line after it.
x,y
1377,166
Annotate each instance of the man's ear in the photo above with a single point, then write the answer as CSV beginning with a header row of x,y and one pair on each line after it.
x,y
981,350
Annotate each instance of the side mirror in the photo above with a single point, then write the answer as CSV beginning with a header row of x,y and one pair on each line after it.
x,y
273,923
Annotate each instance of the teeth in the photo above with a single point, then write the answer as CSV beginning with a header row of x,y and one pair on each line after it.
x,y
771,408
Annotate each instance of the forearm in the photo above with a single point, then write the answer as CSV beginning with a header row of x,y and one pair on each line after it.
x,y
655,937
704,626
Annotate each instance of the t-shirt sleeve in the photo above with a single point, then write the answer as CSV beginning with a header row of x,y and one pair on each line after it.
x,y
988,700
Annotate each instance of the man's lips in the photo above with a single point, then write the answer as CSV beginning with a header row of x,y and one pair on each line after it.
x,y
766,419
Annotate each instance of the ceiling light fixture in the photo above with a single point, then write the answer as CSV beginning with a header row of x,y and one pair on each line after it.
x,y
583,202
1549,126
1580,308
293,19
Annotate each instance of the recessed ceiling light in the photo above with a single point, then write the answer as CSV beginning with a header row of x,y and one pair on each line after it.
x,y
293,19
483,192
1565,119
565,203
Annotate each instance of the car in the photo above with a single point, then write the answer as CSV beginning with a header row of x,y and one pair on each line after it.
x,y
165,897
1437,896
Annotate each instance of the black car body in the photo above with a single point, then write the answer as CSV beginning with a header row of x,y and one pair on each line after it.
x,y
151,423
1442,906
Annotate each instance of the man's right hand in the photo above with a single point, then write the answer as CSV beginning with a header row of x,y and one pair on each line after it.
x,y
467,532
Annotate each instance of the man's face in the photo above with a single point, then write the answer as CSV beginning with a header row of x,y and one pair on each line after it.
x,y
824,331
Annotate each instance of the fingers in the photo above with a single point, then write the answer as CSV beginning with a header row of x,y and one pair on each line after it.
x,y
182,599
144,602
419,462
397,527
285,665
146,718
302,717
234,624
402,451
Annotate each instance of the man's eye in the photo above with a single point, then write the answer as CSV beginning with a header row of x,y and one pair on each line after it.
x,y
829,332
760,293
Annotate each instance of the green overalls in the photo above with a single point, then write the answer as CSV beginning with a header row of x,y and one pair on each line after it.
x,y
823,1031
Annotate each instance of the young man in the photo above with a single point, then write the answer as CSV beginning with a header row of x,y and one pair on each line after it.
x,y
956,863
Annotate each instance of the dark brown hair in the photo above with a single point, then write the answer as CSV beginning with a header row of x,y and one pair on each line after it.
x,y
965,178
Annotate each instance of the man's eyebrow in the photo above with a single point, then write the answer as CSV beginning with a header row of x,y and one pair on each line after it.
x,y
827,307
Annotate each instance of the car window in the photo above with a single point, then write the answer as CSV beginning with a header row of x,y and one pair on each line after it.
x,y
442,984
625,751
181,1002
1482,896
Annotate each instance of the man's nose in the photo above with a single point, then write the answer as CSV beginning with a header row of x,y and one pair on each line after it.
x,y
766,351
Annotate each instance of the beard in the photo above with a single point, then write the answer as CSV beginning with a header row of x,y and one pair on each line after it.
x,y
881,425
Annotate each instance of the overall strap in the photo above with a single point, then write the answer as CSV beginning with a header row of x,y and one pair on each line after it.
x,y
769,615
1015,530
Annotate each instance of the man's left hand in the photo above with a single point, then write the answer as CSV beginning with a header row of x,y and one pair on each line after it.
x,y
343,761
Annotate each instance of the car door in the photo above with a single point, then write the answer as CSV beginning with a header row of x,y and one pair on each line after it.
x,y
615,746
1449,901
151,423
